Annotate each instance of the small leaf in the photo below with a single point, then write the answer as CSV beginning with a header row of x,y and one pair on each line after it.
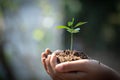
x,y
80,23
70,30
63,27
70,23
76,30
73,20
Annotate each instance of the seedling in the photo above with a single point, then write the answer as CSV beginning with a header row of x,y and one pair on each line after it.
x,y
72,28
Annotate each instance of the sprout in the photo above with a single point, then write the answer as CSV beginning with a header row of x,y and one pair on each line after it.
x,y
72,29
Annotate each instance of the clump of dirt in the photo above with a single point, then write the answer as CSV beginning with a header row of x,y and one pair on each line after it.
x,y
70,55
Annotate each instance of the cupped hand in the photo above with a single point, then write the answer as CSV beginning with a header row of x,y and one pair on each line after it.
x,y
85,69
50,62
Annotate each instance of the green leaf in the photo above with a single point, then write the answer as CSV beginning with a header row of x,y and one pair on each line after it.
x,y
70,23
80,23
73,20
76,30
63,27
70,30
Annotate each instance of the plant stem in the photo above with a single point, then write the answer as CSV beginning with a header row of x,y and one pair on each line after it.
x,y
71,43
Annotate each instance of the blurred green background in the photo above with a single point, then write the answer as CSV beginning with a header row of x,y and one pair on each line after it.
x,y
27,28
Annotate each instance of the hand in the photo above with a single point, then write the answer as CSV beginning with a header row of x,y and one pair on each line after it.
x,y
50,62
94,70
77,70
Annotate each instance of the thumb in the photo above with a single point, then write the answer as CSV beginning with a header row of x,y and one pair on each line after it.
x,y
79,65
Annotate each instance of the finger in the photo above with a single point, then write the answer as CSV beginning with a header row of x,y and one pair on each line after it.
x,y
43,55
43,60
53,61
44,64
79,65
49,69
47,51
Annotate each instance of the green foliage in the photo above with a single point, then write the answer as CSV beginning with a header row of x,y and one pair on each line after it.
x,y
71,28
70,23
9,4
80,23
64,27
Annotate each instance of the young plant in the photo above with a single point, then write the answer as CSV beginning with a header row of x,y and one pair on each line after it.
x,y
72,28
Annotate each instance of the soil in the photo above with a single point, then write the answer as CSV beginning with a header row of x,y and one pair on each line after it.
x,y
70,55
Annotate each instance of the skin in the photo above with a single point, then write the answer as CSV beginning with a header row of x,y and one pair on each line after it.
x,y
85,69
